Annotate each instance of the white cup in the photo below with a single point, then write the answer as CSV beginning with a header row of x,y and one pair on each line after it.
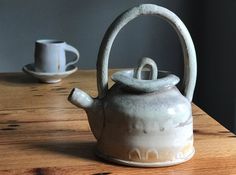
x,y
50,57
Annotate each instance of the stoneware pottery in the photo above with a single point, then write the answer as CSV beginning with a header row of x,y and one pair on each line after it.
x,y
50,61
49,77
142,120
50,57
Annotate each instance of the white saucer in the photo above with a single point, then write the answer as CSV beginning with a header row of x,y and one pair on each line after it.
x,y
48,77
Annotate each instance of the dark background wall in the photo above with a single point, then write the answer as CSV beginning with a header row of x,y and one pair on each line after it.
x,y
216,46
83,23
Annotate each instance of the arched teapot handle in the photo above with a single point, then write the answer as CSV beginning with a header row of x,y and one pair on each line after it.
x,y
190,64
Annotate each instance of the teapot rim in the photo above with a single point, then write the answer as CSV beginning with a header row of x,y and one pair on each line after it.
x,y
126,77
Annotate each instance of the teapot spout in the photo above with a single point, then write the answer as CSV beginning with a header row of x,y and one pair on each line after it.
x,y
80,99
93,108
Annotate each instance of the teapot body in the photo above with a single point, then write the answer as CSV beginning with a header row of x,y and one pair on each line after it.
x,y
142,120
150,129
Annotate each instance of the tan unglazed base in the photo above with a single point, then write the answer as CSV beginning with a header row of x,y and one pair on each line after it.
x,y
145,164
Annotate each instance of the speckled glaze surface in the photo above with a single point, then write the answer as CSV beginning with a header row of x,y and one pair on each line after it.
x,y
142,120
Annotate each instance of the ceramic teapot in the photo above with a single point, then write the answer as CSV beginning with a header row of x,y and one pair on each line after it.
x,y
143,119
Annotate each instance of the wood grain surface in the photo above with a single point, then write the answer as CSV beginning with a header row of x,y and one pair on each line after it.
x,y
41,133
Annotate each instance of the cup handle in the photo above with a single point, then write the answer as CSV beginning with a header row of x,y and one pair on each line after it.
x,y
69,48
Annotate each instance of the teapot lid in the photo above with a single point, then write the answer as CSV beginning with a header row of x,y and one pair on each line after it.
x,y
145,81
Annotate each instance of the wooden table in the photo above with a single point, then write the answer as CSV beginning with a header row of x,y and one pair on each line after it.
x,y
41,133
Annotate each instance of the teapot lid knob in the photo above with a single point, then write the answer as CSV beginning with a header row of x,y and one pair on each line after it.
x,y
149,63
